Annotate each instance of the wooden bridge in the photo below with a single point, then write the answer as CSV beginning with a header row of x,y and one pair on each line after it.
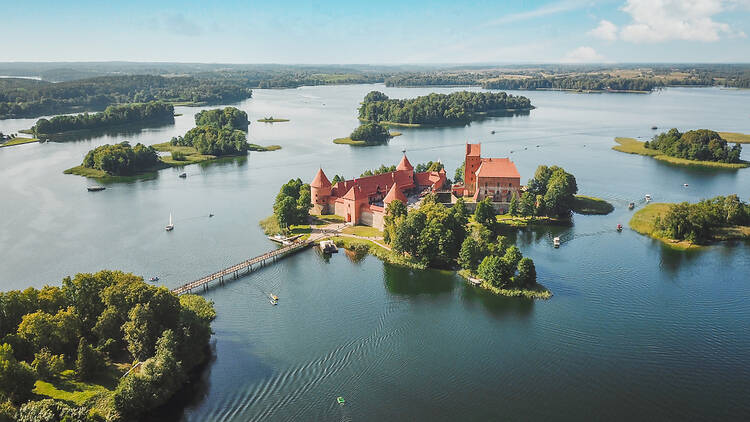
x,y
247,266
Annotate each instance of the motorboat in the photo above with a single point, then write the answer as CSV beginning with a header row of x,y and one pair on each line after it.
x,y
619,227
95,188
654,128
556,242
492,132
648,198
183,175
631,205
685,184
170,226
154,278
210,215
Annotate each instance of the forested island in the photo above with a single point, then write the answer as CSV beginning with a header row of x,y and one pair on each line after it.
x,y
438,109
700,148
371,133
687,224
118,160
102,347
226,118
153,111
23,98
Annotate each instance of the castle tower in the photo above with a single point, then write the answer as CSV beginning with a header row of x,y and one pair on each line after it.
x,y
473,161
320,190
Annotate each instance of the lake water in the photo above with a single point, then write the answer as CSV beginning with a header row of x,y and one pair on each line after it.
x,y
634,330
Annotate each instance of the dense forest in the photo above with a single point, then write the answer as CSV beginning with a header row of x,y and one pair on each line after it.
x,y
697,222
111,116
122,159
227,118
372,133
578,83
210,140
21,98
457,107
701,145
90,331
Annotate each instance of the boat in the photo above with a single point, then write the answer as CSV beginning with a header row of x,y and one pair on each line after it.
x,y
183,175
273,302
170,226
648,198
340,400
631,205
556,242
95,188
492,132
654,128
619,227
210,215
154,278
685,184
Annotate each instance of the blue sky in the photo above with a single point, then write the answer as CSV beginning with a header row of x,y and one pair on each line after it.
x,y
379,32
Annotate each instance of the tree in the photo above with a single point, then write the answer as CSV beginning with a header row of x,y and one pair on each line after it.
x,y
471,254
88,362
492,270
526,273
371,133
140,332
459,174
49,410
16,378
485,214
513,208
375,96
46,365
511,258
528,204
286,212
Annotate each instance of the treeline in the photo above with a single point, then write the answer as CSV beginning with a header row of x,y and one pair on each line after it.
x,y
88,325
21,99
372,133
550,193
227,118
701,145
122,159
577,83
697,222
457,107
432,79
111,116
219,132
292,204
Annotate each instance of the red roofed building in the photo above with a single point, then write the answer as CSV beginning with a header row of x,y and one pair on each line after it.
x,y
363,200
497,178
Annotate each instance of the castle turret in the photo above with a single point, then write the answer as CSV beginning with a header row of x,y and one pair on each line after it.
x,y
393,194
320,188
471,165
404,164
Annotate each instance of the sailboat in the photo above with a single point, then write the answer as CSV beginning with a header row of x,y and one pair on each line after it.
x,y
170,226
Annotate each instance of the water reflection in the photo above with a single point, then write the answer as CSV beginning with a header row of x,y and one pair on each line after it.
x,y
497,305
404,281
133,129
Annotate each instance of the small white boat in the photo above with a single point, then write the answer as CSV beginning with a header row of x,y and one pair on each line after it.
x,y
170,226
648,198
685,184
556,242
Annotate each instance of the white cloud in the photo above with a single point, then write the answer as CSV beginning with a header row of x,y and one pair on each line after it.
x,y
606,31
666,20
583,55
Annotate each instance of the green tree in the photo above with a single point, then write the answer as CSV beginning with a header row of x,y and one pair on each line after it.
x,y
485,214
471,254
140,331
46,365
88,362
492,270
526,273
513,208
16,378
49,410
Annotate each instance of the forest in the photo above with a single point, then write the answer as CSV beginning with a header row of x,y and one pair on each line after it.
x,y
89,332
457,107
701,145
21,98
697,222
227,118
576,83
111,116
550,193
122,159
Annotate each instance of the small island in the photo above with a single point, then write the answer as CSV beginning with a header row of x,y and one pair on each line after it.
x,y
13,139
103,346
271,119
698,148
112,116
368,134
118,161
686,225
438,109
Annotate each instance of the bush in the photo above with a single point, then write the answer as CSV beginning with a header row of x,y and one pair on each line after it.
x,y
51,411
46,365
88,362
178,156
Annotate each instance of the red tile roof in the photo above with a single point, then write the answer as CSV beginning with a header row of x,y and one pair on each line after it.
x,y
497,167
404,164
473,150
394,193
369,185
320,180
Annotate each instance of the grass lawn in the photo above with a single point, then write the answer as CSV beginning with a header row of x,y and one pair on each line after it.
x,y
363,231
643,223
366,246
261,148
272,120
270,225
632,146
590,205
191,154
740,138
326,219
102,176
348,141
18,141
535,292
67,388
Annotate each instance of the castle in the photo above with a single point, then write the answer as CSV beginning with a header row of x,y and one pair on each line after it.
x,y
365,199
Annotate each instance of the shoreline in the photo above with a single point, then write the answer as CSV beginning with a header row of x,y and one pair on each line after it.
x,y
634,146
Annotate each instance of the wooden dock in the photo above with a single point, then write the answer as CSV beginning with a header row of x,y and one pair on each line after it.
x,y
245,267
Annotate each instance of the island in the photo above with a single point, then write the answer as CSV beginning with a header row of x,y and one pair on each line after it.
x,y
697,148
368,134
230,118
103,346
272,119
439,109
118,162
14,139
686,225
112,116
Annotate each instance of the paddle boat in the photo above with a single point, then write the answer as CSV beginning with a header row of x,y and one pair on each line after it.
x,y
154,278
631,205
685,184
556,242
619,227
648,198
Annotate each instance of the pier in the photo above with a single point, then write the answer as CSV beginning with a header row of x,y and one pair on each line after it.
x,y
246,267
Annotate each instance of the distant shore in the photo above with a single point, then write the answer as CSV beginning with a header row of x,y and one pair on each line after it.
x,y
633,146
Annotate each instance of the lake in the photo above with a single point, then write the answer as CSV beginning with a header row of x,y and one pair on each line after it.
x,y
634,330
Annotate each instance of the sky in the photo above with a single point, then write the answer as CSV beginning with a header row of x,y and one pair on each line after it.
x,y
377,32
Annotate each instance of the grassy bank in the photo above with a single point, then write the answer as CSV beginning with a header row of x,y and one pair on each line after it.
x,y
103,176
632,146
364,231
589,205
18,141
68,389
192,156
734,137
327,219
362,246
272,120
350,141
261,148
511,221
536,292
270,226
